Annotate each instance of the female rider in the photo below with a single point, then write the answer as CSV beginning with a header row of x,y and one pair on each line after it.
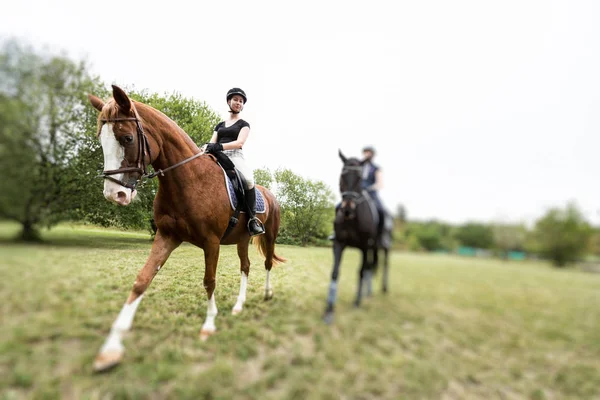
x,y
229,137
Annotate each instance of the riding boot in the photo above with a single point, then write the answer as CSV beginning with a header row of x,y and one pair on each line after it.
x,y
255,227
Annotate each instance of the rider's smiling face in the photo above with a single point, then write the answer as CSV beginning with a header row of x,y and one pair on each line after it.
x,y
368,155
236,103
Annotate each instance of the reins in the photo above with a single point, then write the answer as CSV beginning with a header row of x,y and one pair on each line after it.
x,y
143,151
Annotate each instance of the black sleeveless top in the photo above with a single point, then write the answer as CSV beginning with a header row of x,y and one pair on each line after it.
x,y
231,133
368,178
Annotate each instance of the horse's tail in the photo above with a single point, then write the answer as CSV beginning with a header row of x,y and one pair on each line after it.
x,y
265,243
262,246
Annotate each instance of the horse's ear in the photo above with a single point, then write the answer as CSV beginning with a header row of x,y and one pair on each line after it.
x,y
122,99
96,102
344,159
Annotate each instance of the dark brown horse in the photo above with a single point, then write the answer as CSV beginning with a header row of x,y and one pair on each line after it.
x,y
191,205
356,225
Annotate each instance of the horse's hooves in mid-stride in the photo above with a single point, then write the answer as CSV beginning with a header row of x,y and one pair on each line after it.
x,y
206,333
269,294
236,311
107,360
328,317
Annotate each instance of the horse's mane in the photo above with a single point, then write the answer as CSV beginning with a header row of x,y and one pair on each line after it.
x,y
352,162
111,110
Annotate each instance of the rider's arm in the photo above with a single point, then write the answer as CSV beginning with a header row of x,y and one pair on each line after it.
x,y
214,137
378,185
237,144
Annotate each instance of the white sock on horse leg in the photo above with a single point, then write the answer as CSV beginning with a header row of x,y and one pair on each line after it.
x,y
242,296
211,313
121,324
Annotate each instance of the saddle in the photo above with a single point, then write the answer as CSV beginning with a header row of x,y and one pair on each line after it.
x,y
235,183
238,183
383,221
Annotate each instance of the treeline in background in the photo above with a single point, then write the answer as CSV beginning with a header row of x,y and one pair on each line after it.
x,y
51,159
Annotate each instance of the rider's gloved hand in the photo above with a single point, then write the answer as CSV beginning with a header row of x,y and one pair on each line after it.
x,y
213,147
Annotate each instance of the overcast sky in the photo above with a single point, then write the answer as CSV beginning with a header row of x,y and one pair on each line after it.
x,y
479,110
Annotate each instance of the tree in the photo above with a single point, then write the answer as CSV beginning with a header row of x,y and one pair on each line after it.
x,y
401,213
307,207
430,235
563,235
509,237
263,177
42,120
595,243
476,235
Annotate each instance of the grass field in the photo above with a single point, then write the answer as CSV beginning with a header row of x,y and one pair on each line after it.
x,y
450,327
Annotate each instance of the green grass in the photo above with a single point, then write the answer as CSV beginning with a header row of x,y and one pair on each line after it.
x,y
450,327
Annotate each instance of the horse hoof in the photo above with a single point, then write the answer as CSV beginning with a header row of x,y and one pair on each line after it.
x,y
107,360
269,295
356,304
328,317
385,289
236,311
206,333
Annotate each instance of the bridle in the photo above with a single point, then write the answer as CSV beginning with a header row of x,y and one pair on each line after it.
x,y
354,196
143,150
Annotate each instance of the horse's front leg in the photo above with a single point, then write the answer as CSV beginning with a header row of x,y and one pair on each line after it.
x,y
338,248
211,258
361,276
112,351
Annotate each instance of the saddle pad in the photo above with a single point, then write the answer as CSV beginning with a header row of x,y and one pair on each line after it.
x,y
260,200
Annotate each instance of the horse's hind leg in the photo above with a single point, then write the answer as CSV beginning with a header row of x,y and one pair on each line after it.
x,y
385,270
371,270
338,248
112,351
361,275
269,253
242,249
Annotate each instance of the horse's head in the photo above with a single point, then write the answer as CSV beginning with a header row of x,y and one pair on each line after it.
x,y
350,184
124,144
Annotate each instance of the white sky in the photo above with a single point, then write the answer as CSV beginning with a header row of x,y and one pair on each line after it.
x,y
480,110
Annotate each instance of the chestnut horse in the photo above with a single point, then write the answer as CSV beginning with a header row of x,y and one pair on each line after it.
x,y
191,205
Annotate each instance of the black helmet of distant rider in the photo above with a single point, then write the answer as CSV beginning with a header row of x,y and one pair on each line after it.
x,y
233,92
368,152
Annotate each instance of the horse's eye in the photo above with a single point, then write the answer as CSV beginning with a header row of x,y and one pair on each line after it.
x,y
127,139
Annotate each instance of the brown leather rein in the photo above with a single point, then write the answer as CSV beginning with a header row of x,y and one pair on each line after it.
x,y
143,149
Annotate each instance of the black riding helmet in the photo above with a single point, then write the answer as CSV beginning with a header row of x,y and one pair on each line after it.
x,y
238,91
369,148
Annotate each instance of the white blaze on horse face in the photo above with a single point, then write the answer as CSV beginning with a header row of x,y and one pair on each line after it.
x,y
114,154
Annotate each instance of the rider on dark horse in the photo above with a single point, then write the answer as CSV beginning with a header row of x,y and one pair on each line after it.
x,y
371,183
229,137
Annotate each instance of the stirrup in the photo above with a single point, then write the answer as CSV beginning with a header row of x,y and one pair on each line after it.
x,y
260,226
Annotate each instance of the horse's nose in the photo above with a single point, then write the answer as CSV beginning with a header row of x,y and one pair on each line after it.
x,y
121,196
